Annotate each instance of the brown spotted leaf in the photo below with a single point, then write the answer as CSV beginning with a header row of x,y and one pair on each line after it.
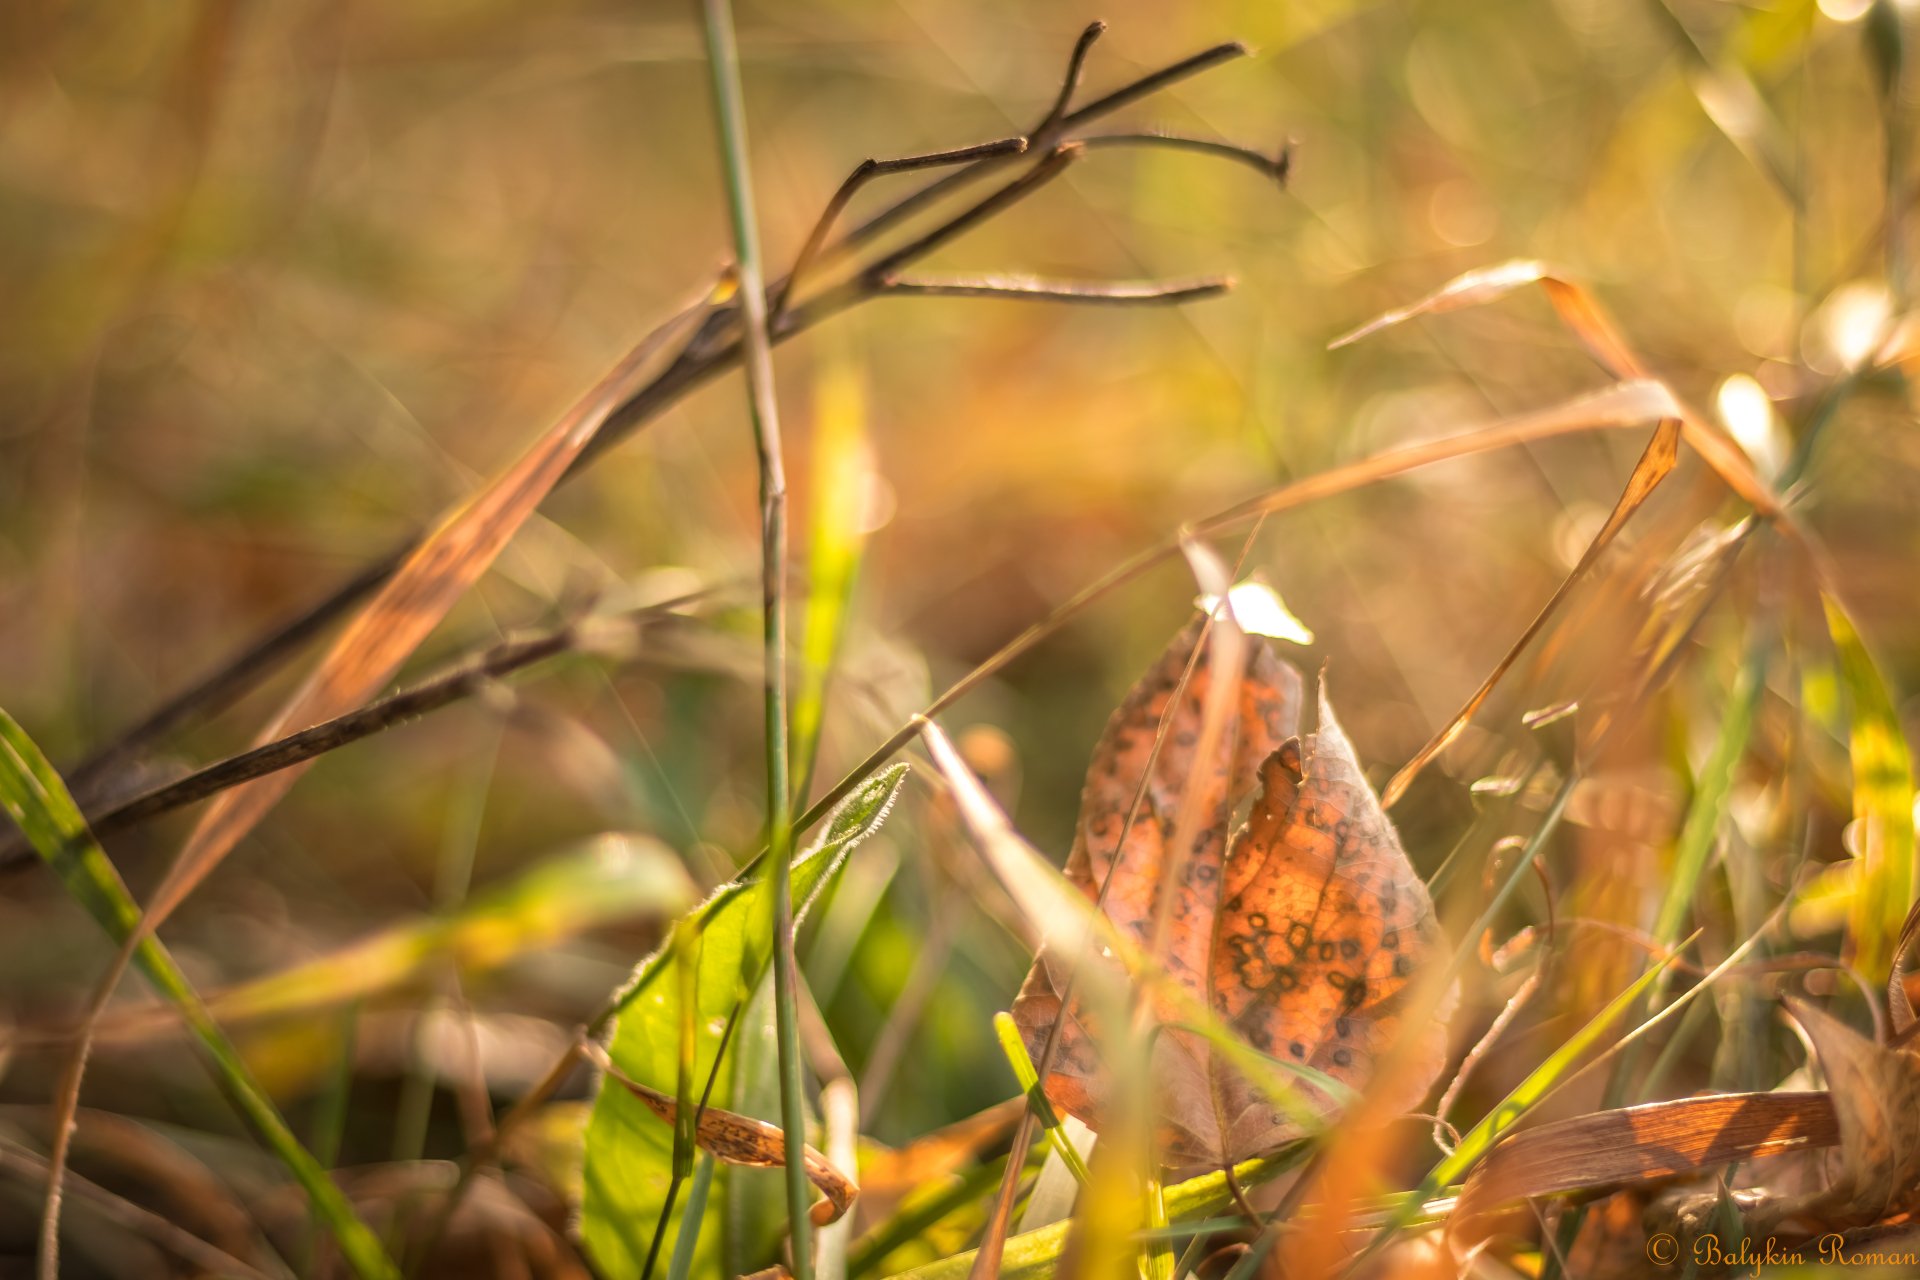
x,y
1301,931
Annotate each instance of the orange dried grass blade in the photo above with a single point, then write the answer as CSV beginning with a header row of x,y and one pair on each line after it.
x,y
1577,307
1662,452
1900,1005
1588,321
1581,312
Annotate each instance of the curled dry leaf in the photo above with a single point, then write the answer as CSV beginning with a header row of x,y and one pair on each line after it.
x,y
1876,1095
737,1139
1301,933
1869,1117
1635,1145
1872,1176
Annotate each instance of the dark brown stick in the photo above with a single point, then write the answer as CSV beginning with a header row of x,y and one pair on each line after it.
x,y
1049,167
1043,136
409,704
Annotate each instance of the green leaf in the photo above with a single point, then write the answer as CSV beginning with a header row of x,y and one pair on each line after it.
x,y
35,797
629,1153
1882,805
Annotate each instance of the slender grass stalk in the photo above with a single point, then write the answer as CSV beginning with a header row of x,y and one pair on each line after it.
x,y
681,1265
723,65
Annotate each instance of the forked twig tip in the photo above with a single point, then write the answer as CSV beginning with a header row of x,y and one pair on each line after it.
x,y
1283,162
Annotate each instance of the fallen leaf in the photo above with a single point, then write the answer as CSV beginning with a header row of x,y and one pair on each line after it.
x,y
1302,933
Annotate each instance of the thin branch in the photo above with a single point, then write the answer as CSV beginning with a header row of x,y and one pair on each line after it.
x,y
1070,85
866,170
1154,82
1036,289
1044,137
1276,167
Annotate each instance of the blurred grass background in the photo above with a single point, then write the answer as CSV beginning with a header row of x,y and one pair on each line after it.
x,y
279,282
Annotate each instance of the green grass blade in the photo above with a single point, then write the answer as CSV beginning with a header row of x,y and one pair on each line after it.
x,y
681,1265
1033,1254
1709,807
35,796
1156,1262
686,946
330,1114
1023,1070
729,108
